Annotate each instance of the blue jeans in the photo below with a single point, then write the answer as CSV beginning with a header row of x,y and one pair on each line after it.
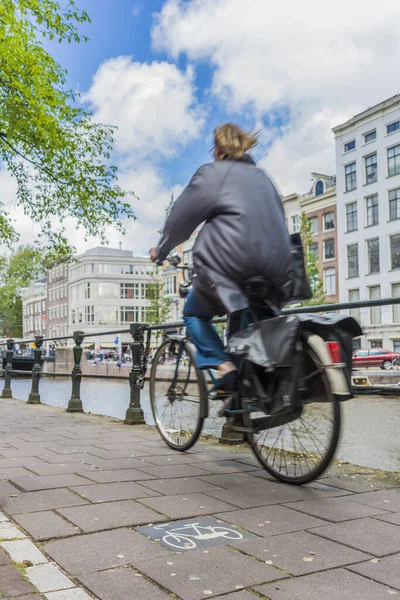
x,y
197,318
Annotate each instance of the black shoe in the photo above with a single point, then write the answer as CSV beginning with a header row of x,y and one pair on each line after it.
x,y
225,385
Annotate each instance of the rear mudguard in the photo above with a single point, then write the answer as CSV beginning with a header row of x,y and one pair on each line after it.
x,y
334,372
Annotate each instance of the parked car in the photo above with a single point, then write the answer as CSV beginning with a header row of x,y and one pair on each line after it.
x,y
374,357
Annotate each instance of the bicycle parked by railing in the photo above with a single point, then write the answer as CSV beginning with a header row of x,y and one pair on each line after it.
x,y
291,422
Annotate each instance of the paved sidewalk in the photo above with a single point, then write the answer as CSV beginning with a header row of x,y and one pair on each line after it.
x,y
91,508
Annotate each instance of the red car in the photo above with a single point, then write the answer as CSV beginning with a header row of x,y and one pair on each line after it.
x,y
374,357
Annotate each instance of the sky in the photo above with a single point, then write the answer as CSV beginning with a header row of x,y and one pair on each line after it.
x,y
166,72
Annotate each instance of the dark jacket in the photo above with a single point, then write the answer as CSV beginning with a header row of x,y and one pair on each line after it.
x,y
244,234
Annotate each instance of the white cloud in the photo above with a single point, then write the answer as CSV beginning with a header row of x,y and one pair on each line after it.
x,y
323,65
153,105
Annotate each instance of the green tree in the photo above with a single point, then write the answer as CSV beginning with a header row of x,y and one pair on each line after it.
x,y
159,305
16,273
311,263
59,157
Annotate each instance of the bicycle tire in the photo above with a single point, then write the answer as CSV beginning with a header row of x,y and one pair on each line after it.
x,y
203,399
301,479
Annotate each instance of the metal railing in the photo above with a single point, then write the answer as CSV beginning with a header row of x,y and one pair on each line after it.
x,y
134,413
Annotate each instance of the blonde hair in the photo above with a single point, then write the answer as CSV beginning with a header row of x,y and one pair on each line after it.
x,y
232,142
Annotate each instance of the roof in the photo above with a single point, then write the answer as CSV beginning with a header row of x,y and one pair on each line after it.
x,y
368,112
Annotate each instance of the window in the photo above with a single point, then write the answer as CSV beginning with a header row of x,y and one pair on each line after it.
x,y
375,311
143,291
376,344
329,221
73,316
170,285
329,249
129,290
373,255
313,224
108,289
395,251
352,260
350,146
396,307
80,315
354,296
350,177
129,269
370,137
393,127
371,168
107,316
330,282
396,346
87,291
319,188
352,217
89,314
295,223
129,314
394,160
372,210
314,249
394,204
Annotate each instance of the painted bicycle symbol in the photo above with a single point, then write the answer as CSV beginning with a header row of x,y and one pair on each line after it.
x,y
184,537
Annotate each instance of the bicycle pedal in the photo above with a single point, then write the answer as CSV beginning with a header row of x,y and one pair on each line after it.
x,y
219,395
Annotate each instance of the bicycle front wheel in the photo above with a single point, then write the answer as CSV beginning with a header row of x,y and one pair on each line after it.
x,y
298,446
178,395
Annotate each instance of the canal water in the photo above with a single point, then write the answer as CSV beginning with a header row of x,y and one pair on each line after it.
x,y
370,432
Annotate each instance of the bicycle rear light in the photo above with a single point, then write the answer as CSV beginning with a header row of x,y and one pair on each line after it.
x,y
334,352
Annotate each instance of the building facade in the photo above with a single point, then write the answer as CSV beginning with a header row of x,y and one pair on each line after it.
x,y
108,290
57,301
368,213
319,206
34,310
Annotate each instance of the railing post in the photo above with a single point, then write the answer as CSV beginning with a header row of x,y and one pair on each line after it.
x,y
34,396
75,403
135,414
7,393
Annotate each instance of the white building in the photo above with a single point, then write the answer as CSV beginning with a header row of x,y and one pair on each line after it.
x,y
34,309
107,291
368,214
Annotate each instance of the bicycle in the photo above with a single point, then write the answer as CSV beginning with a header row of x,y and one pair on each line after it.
x,y
183,538
294,440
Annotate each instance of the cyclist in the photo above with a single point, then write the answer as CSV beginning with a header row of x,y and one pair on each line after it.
x,y
244,235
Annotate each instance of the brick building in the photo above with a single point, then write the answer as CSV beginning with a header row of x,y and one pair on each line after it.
x,y
34,317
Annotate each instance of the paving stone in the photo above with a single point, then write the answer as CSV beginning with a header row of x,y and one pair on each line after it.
x,y
335,509
245,491
60,469
386,571
289,550
45,525
8,531
217,455
120,584
73,594
270,520
48,578
37,501
310,491
351,483
106,492
225,466
22,551
390,518
3,518
174,471
178,459
189,505
237,596
13,472
171,487
384,499
197,575
6,490
12,584
335,585
119,463
108,515
118,475
370,535
100,551
133,451
36,482
4,558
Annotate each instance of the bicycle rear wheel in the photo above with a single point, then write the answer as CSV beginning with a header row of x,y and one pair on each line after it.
x,y
178,395
298,446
